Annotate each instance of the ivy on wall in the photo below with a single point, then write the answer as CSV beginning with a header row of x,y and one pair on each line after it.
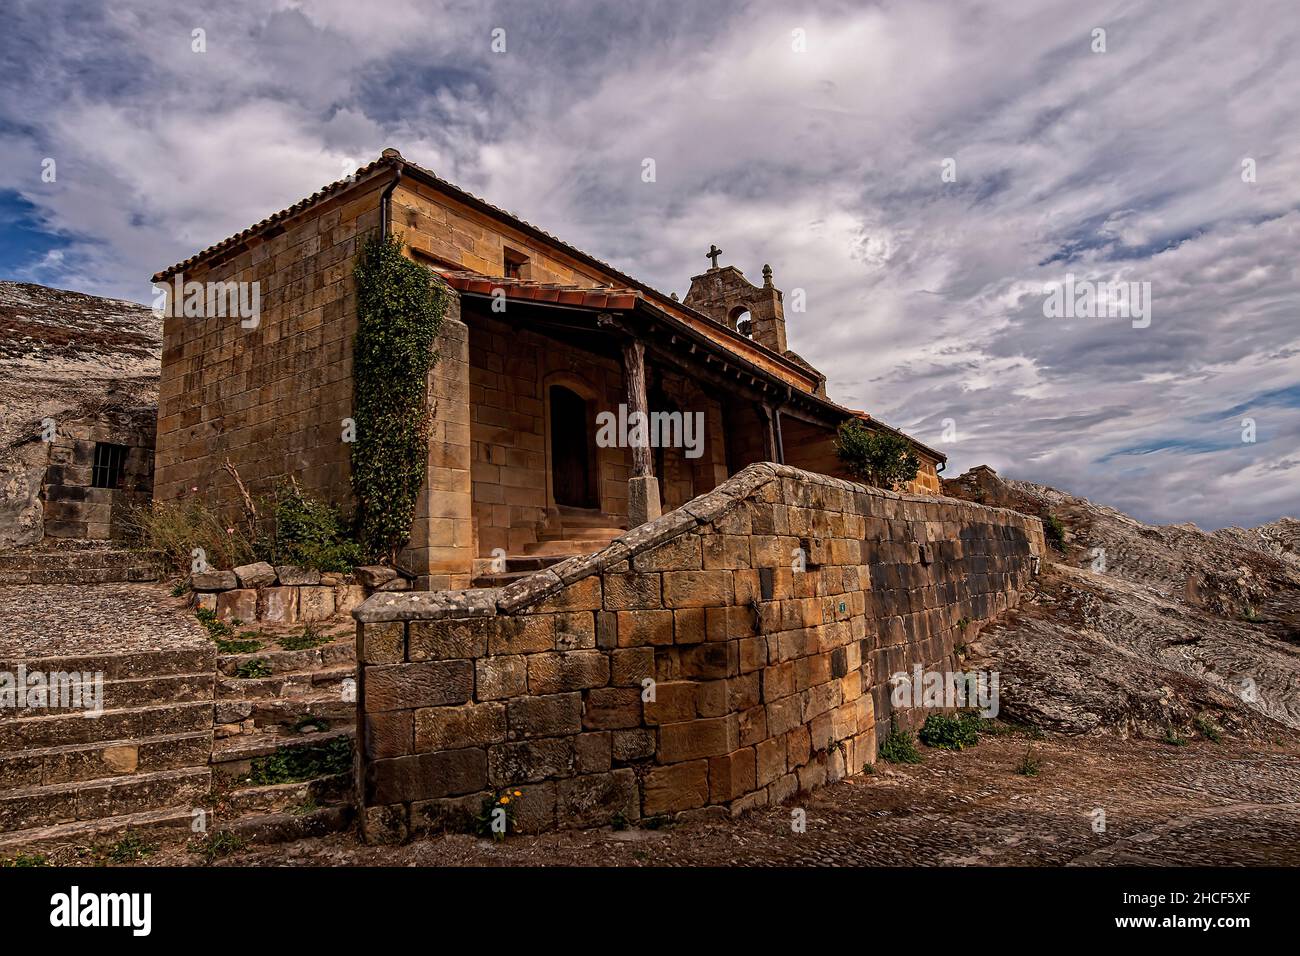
x,y
400,310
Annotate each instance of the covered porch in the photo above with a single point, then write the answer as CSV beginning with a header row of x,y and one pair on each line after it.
x,y
535,453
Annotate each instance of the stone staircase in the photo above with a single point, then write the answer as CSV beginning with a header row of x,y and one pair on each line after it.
x,y
67,777
567,532
281,762
79,563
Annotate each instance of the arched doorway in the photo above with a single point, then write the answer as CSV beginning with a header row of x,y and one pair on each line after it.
x,y
573,449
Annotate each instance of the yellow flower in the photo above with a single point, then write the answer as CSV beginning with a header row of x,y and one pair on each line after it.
x,y
505,799
518,794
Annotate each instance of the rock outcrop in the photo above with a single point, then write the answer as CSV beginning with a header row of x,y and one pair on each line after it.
x,y
1143,630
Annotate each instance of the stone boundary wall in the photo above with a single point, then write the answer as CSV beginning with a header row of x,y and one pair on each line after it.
x,y
687,665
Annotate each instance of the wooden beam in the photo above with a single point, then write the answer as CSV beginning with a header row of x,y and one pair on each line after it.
x,y
634,375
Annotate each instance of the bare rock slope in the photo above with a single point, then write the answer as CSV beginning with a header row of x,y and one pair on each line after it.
x,y
1154,631
63,356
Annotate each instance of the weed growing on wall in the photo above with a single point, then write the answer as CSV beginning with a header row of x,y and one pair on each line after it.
x,y
400,309
880,459
311,534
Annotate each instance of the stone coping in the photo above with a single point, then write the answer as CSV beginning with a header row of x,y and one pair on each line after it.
x,y
521,594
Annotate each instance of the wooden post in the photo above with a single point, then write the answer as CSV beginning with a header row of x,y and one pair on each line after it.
x,y
643,487
634,373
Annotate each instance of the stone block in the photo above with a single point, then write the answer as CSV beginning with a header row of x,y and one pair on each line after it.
x,y
555,673
731,775
425,776
692,739
499,677
528,761
237,605
259,574
612,708
697,588
388,734
449,639
426,684
629,666
451,728
675,788
278,605
315,603
640,628
592,752
213,581
382,643
544,716
292,576
630,745
595,800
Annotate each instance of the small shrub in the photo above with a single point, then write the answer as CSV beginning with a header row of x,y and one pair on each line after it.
x,y
255,668
26,859
1054,531
309,638
1173,739
311,534
294,764
950,732
1208,729
130,848
176,528
868,768
877,458
1029,764
218,844
217,628
899,747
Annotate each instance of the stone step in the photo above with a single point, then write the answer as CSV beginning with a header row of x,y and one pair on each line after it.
x,y
133,692
566,547
74,558
30,807
584,517
284,796
128,723
565,533
47,766
328,705
167,821
500,580
281,661
198,659
80,566
286,827
247,747
282,685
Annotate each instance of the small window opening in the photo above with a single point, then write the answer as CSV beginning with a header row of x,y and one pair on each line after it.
x,y
109,470
516,265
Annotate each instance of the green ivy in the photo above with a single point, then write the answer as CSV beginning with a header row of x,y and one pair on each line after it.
x,y
400,310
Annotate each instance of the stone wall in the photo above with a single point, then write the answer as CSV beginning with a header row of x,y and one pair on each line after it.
x,y
271,398
76,509
689,664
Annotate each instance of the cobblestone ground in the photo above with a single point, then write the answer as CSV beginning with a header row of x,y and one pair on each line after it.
x,y
1203,803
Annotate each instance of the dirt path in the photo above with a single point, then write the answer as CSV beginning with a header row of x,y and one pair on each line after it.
x,y
1230,803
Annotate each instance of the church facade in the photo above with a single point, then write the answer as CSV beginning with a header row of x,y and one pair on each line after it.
x,y
546,356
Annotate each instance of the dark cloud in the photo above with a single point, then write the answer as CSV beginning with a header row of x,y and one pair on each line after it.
x,y
924,297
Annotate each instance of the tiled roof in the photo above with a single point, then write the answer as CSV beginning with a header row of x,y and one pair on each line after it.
x,y
593,297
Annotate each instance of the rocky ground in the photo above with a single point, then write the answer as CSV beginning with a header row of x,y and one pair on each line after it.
x,y
1232,803
1141,630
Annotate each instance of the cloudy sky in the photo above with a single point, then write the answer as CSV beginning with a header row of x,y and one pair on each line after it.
x,y
922,170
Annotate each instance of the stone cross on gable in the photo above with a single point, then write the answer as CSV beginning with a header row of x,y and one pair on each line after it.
x,y
712,255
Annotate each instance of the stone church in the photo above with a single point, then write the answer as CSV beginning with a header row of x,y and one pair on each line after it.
x,y
540,341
